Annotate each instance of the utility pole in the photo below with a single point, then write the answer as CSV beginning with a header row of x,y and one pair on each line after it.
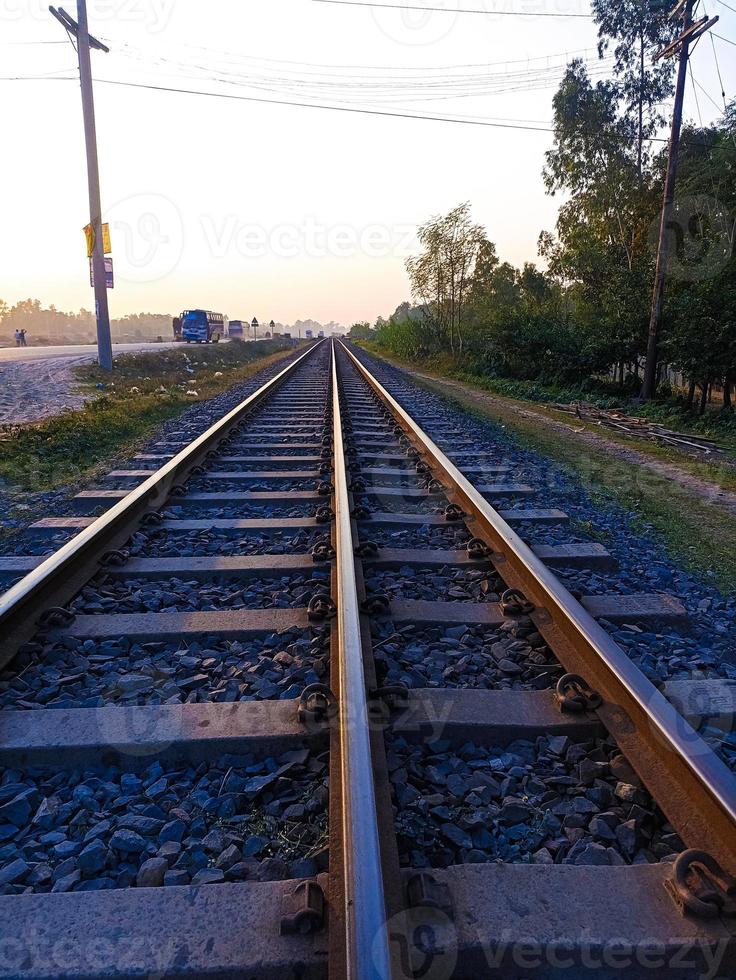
x,y
80,30
680,46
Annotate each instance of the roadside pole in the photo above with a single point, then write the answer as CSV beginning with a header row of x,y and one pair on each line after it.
x,y
84,43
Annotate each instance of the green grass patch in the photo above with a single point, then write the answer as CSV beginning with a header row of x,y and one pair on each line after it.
x,y
146,390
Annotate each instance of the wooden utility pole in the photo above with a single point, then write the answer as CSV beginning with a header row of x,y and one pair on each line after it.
x,y
680,46
80,30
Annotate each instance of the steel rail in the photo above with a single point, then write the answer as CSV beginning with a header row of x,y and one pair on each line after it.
x,y
58,578
367,949
691,784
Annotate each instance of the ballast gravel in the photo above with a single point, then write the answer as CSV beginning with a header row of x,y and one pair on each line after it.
x,y
446,584
217,543
274,591
443,536
76,673
552,801
242,510
203,485
235,820
513,657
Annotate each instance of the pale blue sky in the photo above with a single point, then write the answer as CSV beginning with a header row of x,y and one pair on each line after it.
x,y
279,211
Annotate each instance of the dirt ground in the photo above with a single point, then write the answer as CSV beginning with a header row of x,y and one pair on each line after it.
x,y
36,389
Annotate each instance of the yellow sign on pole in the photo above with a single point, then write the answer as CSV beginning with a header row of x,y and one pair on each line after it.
x,y
90,236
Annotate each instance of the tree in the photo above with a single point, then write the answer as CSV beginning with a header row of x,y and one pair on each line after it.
x,y
602,249
636,29
440,276
700,312
360,331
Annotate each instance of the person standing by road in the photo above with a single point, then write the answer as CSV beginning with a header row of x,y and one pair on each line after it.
x,y
23,339
17,338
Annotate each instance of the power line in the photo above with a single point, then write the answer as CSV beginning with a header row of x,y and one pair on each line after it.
x,y
732,9
304,105
236,56
718,70
726,39
705,92
460,120
695,93
451,10
325,82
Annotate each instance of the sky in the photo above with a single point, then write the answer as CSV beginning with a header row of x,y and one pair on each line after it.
x,y
280,211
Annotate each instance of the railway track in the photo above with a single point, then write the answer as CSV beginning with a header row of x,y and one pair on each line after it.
x,y
213,765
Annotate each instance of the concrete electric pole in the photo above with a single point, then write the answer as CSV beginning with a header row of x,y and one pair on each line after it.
x,y
80,30
680,46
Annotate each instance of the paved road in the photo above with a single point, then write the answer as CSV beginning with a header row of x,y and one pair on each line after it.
x,y
37,382
78,352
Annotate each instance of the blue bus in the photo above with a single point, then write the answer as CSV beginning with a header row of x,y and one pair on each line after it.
x,y
202,327
237,330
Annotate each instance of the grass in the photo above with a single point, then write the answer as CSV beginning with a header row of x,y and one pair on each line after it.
x,y
700,535
148,389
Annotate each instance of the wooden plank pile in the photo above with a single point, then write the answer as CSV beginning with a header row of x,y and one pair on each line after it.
x,y
638,428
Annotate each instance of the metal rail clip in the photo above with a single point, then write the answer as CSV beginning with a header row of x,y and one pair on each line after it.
x,y
700,886
323,551
576,696
478,550
304,910
114,559
366,549
317,705
384,700
321,607
453,513
324,515
515,603
56,617
376,605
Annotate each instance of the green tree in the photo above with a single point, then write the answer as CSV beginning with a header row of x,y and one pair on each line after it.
x,y
360,331
700,321
441,274
601,251
635,29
